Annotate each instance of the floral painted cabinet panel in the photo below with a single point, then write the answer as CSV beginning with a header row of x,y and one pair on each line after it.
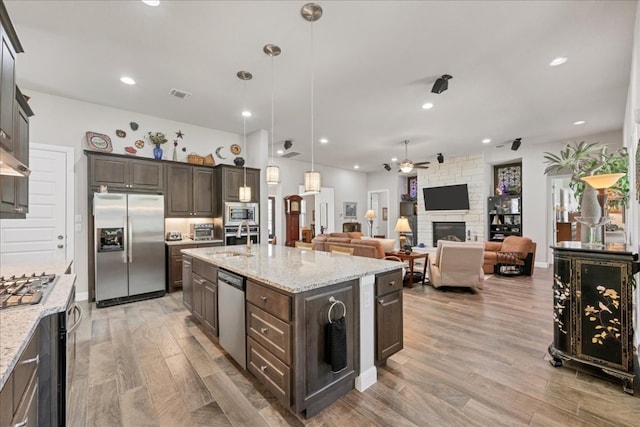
x,y
593,308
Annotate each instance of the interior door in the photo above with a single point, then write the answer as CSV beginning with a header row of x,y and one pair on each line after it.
x,y
42,236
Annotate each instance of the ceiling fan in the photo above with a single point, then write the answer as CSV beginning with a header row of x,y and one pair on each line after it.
x,y
406,166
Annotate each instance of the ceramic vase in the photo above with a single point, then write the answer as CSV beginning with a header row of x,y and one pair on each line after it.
x,y
175,155
157,152
590,208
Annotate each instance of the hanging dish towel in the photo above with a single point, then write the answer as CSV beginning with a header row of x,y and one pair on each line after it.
x,y
337,344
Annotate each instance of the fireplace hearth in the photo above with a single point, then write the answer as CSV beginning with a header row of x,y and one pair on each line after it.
x,y
448,230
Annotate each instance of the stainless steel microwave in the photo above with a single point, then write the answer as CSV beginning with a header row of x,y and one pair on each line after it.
x,y
202,231
235,213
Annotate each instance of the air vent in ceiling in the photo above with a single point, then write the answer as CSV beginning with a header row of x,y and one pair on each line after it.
x,y
291,154
179,93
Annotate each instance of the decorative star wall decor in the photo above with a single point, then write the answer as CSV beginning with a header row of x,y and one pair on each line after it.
x,y
179,134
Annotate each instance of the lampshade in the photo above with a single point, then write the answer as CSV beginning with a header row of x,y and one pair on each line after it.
x,y
245,194
602,181
402,225
371,214
273,175
406,166
312,181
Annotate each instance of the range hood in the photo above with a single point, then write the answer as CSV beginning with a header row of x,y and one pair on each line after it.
x,y
9,165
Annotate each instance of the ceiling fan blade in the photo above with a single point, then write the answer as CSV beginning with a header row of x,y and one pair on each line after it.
x,y
420,167
421,163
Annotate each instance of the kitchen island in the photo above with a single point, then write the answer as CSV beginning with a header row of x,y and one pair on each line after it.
x,y
293,296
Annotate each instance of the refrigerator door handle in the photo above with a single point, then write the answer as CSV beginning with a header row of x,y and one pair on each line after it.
x,y
125,226
130,238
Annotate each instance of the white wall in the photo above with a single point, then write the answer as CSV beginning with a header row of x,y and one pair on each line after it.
x,y
63,121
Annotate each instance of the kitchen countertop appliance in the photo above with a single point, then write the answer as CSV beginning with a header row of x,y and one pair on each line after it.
x,y
173,236
25,290
235,213
202,231
232,326
129,247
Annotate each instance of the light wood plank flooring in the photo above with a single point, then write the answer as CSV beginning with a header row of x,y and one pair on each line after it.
x,y
470,359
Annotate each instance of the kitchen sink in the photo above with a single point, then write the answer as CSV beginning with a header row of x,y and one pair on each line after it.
x,y
230,254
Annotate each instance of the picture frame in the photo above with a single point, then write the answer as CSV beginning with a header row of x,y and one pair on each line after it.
x,y
350,210
385,214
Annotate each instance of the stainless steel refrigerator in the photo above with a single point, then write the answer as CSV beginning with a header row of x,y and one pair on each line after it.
x,y
129,247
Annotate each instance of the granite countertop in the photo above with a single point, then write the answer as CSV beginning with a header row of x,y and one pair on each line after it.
x,y
17,324
188,241
292,270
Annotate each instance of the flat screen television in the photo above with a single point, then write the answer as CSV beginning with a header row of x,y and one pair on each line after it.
x,y
446,198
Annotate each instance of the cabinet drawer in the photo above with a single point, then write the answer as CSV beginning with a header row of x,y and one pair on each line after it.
x,y
271,332
25,369
175,250
269,300
269,370
388,282
205,270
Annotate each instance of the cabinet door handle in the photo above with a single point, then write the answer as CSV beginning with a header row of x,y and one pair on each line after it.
x,y
30,361
391,283
263,368
60,246
22,424
380,301
263,298
19,209
263,330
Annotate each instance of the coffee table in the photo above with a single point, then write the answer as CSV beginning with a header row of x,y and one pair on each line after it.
x,y
411,257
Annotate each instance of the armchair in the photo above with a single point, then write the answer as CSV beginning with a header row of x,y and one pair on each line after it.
x,y
457,264
514,250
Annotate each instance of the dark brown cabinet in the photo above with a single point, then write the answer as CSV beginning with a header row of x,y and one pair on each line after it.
x,y
198,291
121,172
174,263
190,191
231,178
187,282
593,308
505,217
205,295
10,46
14,190
389,326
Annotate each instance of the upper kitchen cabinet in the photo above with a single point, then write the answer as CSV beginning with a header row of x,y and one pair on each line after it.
x,y
190,191
122,172
10,46
231,178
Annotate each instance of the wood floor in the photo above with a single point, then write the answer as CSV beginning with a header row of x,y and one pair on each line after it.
x,y
470,359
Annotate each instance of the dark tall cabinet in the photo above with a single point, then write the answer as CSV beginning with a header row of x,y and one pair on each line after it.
x,y
505,217
593,308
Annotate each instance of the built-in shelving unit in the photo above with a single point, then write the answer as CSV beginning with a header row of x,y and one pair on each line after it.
x,y
505,217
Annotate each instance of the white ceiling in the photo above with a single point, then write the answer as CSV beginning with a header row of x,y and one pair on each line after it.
x,y
375,63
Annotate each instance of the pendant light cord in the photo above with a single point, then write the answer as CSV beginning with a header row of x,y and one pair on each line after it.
x,y
312,82
272,97
244,126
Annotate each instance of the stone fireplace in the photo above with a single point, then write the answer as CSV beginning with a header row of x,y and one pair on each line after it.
x,y
448,230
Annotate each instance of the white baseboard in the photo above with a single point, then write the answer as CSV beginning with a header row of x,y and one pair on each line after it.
x,y
366,379
82,296
542,264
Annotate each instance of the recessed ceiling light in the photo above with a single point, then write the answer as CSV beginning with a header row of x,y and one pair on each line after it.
x,y
356,166
427,106
558,61
486,141
246,113
394,159
579,122
127,80
151,2
280,151
324,140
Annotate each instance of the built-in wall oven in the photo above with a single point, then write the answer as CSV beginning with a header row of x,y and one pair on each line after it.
x,y
235,213
231,235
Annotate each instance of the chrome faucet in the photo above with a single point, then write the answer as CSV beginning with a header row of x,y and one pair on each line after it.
x,y
238,235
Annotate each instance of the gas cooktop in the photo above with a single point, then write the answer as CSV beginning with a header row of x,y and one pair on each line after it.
x,y
25,290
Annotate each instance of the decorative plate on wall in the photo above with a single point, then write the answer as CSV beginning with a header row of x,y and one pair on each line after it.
x,y
235,149
99,142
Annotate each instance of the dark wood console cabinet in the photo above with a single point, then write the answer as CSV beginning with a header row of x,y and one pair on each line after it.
x,y
593,308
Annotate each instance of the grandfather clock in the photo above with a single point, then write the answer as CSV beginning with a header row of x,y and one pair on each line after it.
x,y
292,214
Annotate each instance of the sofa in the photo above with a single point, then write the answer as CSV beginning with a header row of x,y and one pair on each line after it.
x,y
513,250
457,264
362,246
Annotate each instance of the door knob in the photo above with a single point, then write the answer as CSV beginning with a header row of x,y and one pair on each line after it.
x,y
60,237
60,246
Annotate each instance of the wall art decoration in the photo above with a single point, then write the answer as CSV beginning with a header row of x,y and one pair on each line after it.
x,y
235,149
121,133
508,178
139,143
134,126
385,214
99,142
350,210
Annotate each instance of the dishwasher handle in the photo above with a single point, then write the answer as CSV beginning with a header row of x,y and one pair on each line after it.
x,y
231,279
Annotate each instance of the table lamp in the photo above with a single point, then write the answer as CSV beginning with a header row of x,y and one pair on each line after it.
x,y
402,226
600,183
370,216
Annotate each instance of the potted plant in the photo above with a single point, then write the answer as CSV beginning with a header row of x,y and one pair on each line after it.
x,y
157,138
584,159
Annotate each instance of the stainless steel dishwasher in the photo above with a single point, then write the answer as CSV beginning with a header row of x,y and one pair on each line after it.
x,y
231,317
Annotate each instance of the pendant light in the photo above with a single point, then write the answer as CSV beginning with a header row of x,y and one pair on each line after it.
x,y
244,192
273,171
311,12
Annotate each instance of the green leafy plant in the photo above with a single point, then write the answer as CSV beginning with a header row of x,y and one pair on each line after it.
x,y
582,159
